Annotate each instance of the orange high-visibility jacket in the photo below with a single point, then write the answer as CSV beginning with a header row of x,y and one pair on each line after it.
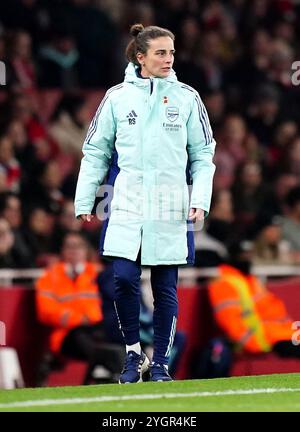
x,y
63,303
250,316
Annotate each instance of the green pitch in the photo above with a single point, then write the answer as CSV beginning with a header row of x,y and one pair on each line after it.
x,y
256,393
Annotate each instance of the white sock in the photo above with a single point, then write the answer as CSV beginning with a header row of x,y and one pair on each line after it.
x,y
135,347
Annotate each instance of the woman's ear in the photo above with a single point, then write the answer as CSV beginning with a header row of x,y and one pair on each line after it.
x,y
140,58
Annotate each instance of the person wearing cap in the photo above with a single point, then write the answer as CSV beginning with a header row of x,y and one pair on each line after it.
x,y
150,138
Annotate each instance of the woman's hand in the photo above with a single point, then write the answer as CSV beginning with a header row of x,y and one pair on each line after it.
x,y
86,217
196,215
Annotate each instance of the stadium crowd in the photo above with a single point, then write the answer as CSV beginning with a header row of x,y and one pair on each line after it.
x,y
238,54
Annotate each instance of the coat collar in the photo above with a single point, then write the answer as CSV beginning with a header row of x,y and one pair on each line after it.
x,y
131,76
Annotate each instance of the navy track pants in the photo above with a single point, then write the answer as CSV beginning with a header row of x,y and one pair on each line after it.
x,y
164,288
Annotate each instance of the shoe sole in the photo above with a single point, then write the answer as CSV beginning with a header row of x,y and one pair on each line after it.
x,y
161,380
144,369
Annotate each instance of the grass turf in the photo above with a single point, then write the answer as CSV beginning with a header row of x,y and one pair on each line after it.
x,y
275,401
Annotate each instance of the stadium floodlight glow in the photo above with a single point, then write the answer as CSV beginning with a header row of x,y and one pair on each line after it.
x,y
2,73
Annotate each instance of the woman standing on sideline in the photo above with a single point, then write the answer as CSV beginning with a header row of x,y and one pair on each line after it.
x,y
147,135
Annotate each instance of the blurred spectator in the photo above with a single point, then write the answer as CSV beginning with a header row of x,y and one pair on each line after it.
x,y
220,224
6,245
211,244
186,64
284,30
269,247
23,109
144,13
28,15
250,68
25,152
249,193
114,8
98,47
59,63
291,160
39,236
10,256
256,14
45,188
263,113
70,181
215,105
69,124
68,301
281,58
251,317
210,60
275,199
291,222
65,222
283,134
9,164
3,186
20,62
230,152
280,74
10,210
170,13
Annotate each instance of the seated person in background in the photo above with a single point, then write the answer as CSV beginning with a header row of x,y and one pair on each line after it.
x,y
211,243
10,255
252,318
67,299
291,222
268,246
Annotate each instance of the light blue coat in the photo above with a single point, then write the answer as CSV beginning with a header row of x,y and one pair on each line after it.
x,y
144,135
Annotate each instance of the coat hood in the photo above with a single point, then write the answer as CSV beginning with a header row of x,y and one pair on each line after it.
x,y
132,77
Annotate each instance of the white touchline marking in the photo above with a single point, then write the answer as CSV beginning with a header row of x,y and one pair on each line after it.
x,y
45,402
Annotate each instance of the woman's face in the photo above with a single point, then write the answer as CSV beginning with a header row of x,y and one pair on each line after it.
x,y
159,58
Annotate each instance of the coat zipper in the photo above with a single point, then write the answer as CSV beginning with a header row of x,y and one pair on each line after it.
x,y
151,86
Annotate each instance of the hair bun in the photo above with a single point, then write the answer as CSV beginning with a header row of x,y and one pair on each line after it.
x,y
136,29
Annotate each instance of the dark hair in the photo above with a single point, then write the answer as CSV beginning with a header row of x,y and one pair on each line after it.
x,y
70,103
78,234
141,37
4,197
293,197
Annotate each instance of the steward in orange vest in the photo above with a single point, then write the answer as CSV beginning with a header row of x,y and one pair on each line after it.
x,y
64,302
254,319
67,299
